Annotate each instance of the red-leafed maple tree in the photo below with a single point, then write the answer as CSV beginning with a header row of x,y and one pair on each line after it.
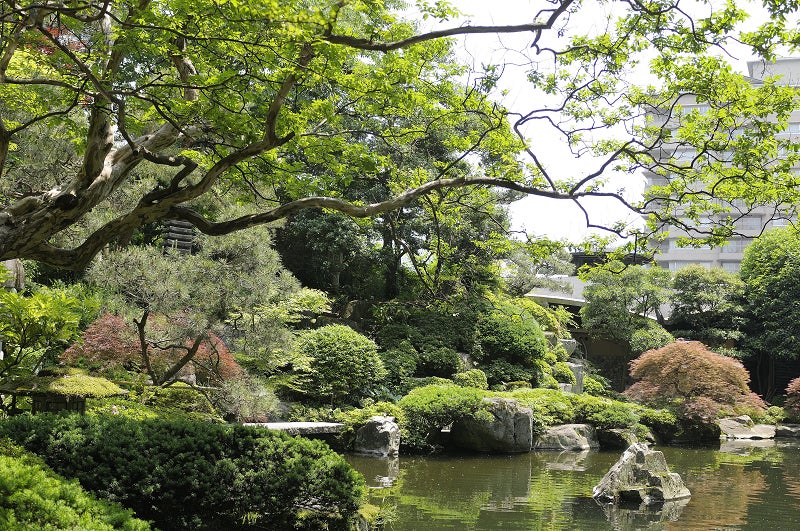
x,y
111,343
699,383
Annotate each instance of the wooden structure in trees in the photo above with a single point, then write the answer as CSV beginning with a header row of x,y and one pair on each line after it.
x,y
178,235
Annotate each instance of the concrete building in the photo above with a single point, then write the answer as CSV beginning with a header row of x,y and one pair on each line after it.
x,y
751,221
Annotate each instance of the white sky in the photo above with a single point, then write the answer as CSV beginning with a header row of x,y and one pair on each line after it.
x,y
555,219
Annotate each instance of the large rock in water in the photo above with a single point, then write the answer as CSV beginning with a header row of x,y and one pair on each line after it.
x,y
379,436
508,428
744,428
640,477
571,437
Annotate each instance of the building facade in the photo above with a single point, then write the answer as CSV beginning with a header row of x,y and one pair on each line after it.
x,y
751,221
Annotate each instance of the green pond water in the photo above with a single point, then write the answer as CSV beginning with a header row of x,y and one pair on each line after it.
x,y
749,485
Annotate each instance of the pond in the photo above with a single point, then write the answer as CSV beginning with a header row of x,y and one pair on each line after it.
x,y
742,485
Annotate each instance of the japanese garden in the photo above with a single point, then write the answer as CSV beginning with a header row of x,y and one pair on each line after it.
x,y
262,265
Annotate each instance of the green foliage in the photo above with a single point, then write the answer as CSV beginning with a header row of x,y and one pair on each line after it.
x,y
343,365
472,378
35,329
245,399
707,305
618,296
429,409
596,385
510,337
400,364
33,497
441,361
604,413
663,423
197,474
549,406
563,373
500,371
771,274
651,335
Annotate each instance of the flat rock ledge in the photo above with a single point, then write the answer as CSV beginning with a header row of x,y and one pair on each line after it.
x,y
640,477
568,437
790,431
743,427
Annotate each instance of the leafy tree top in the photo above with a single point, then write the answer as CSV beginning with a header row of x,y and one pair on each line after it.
x,y
162,105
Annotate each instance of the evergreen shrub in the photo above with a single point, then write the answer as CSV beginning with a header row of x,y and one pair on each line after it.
x,y
344,366
197,475
472,378
429,409
438,361
562,373
33,497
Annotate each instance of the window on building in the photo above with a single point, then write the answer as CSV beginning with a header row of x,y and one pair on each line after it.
x,y
731,267
735,246
680,264
749,223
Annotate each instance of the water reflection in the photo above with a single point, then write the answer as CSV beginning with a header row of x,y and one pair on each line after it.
x,y
752,486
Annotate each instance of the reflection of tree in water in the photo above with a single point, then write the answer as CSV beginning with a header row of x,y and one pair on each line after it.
x,y
722,492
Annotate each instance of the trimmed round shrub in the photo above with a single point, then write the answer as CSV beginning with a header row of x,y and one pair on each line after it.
x,y
429,409
472,378
400,364
563,373
344,365
197,475
501,371
441,361
604,413
510,337
33,497
596,385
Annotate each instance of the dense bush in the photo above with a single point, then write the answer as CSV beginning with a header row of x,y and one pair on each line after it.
x,y
563,373
549,406
195,475
663,423
650,336
472,378
438,361
400,363
429,409
510,337
499,372
33,497
604,413
697,383
596,385
344,365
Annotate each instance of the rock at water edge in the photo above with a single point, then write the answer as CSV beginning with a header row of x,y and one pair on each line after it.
x,y
502,426
573,437
379,436
640,477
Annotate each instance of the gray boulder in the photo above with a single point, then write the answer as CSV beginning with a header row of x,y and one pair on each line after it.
x,y
507,428
640,477
743,427
573,437
616,438
379,436
788,430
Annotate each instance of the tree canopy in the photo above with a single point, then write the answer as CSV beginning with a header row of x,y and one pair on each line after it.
x,y
118,114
